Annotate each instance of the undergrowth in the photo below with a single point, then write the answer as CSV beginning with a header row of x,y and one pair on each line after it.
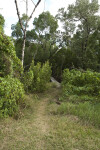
x,y
81,95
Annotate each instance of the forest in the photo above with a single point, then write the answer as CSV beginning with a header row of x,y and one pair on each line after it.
x,y
67,48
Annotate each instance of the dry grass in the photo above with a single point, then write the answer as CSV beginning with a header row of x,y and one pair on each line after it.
x,y
39,129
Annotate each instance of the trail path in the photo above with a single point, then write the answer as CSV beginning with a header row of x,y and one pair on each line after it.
x,y
42,129
41,123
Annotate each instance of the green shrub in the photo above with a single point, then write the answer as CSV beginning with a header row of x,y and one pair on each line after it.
x,y
35,86
9,62
40,78
37,77
6,67
79,78
27,80
44,76
2,21
17,67
11,93
81,93
81,83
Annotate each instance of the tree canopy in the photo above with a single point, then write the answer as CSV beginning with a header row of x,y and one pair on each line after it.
x,y
76,45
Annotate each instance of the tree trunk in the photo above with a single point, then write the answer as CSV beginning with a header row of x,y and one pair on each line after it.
x,y
23,48
22,27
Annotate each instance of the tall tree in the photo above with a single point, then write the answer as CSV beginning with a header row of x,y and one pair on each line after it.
x,y
16,28
46,27
24,28
82,21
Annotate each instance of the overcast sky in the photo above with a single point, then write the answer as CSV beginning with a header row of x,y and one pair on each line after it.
x,y
8,10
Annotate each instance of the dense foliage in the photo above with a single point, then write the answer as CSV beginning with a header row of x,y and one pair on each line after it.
x,y
41,40
37,77
9,62
81,95
76,45
11,89
11,76
42,76
2,21
11,93
27,80
76,82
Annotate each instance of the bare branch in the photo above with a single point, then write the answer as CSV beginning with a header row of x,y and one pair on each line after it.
x,y
27,20
34,9
26,14
44,5
19,15
33,2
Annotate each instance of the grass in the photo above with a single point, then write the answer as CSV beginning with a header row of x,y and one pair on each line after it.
x,y
17,134
68,133
85,111
39,128
86,107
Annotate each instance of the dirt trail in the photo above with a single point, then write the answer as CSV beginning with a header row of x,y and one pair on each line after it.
x,y
42,119
42,129
41,123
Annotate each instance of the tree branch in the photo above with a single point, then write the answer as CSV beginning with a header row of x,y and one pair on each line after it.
x,y
19,15
33,2
26,15
27,20
34,9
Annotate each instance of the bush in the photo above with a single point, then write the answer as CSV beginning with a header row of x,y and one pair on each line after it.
x,y
81,83
81,91
42,76
37,77
2,21
5,65
11,93
9,62
27,80
35,86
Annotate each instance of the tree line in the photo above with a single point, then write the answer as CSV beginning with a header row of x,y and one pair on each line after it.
x,y
76,45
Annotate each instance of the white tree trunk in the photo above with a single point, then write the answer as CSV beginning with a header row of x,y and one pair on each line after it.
x,y
23,51
25,29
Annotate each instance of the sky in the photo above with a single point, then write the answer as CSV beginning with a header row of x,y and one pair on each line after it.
x,y
8,10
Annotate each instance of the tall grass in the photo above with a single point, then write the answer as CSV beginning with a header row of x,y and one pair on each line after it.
x,y
85,111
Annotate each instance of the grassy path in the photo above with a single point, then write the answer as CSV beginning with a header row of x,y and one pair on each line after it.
x,y
41,123
39,128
